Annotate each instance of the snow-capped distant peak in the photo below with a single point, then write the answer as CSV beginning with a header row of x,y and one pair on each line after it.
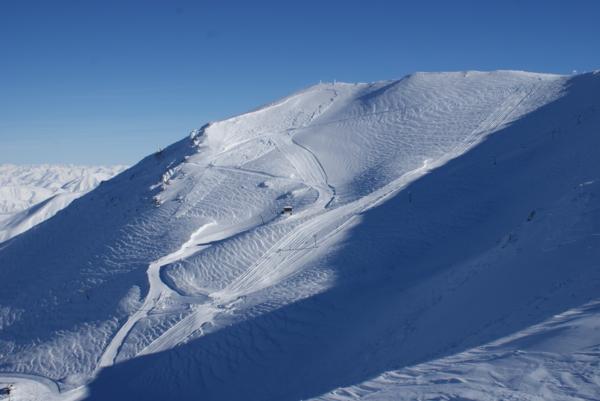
x,y
30,194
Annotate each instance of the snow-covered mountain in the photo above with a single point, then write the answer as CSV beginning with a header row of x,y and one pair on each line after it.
x,y
443,244
30,194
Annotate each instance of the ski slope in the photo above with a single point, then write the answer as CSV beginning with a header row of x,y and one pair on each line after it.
x,y
438,221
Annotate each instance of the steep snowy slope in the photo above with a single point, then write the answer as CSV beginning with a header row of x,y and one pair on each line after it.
x,y
32,194
438,215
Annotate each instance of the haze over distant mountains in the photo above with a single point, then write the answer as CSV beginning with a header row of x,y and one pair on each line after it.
x,y
30,194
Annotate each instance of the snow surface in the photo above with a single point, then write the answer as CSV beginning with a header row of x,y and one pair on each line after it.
x,y
30,194
443,245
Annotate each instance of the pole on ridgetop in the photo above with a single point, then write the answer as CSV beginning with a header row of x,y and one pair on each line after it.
x,y
315,238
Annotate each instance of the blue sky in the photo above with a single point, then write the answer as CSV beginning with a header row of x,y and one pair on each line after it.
x,y
103,82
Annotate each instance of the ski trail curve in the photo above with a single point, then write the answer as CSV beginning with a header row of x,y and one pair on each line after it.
x,y
157,289
311,172
285,256
280,260
308,167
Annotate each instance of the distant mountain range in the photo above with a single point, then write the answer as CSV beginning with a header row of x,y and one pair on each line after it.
x,y
30,194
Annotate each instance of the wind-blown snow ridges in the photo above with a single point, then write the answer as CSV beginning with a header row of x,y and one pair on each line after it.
x,y
424,210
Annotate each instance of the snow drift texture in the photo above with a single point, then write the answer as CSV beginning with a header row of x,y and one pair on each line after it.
x,y
444,244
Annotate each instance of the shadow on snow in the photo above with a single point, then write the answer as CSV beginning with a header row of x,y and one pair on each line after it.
x,y
424,275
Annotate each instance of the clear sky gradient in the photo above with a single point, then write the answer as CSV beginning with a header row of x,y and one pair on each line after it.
x,y
104,82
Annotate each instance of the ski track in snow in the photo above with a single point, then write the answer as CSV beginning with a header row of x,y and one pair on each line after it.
x,y
318,226
313,175
280,261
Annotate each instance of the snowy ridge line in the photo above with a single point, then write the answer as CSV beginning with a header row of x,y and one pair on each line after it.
x,y
285,99
312,114
296,238
275,265
272,267
510,104
198,239
281,102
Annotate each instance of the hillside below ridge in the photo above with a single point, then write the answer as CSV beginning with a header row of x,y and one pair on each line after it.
x,y
404,193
